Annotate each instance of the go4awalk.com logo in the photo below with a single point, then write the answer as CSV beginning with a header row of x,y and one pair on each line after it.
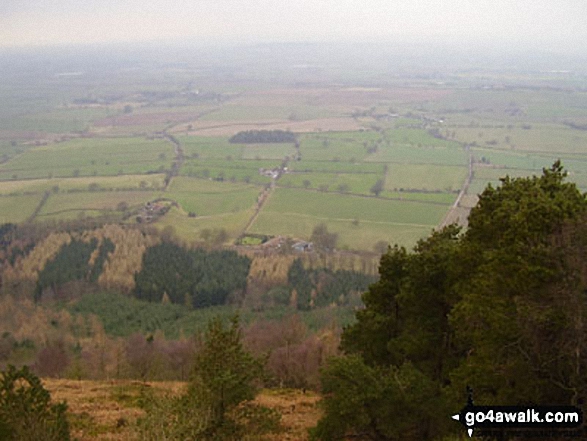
x,y
530,420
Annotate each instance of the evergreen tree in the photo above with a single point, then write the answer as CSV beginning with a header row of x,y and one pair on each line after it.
x,y
26,412
500,309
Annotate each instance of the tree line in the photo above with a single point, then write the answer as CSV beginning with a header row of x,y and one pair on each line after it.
x,y
263,136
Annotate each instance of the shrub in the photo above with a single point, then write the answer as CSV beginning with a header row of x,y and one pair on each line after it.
x,y
25,409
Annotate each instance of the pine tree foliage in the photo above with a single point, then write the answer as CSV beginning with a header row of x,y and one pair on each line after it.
x,y
218,404
322,286
206,277
26,412
499,308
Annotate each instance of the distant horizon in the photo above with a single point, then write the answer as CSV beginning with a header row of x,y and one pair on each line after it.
x,y
524,24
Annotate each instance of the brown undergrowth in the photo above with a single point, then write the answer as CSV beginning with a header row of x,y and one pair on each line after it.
x,y
109,410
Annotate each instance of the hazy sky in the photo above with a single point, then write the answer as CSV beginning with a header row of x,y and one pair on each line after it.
x,y
553,24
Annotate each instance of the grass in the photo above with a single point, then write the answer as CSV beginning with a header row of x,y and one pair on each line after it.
x,y
437,198
410,154
212,198
237,170
87,157
17,208
322,148
361,237
71,205
153,182
416,137
220,148
547,138
349,207
210,147
425,177
189,229
56,121
268,151
335,167
297,212
186,184
335,182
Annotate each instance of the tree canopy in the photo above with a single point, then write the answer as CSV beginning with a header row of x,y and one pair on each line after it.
x,y
263,136
499,308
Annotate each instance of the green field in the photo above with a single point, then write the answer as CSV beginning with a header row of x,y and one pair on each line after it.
x,y
56,121
17,208
336,167
243,171
206,198
90,157
359,183
410,154
425,177
297,212
335,148
93,183
546,138
268,151
210,147
189,229
220,148
73,205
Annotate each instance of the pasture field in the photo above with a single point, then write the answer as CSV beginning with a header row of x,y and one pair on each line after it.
x,y
417,137
268,151
542,105
359,183
200,186
56,121
361,237
209,147
348,207
220,148
231,163
513,159
212,198
336,167
494,174
90,157
297,212
18,208
411,154
551,139
478,185
435,198
189,229
10,148
320,148
93,183
72,205
425,177
203,170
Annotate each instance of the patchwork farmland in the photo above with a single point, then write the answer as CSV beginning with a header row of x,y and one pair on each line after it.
x,y
374,164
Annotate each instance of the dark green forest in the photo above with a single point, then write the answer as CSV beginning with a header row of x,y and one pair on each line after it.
x,y
498,308
195,278
263,136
